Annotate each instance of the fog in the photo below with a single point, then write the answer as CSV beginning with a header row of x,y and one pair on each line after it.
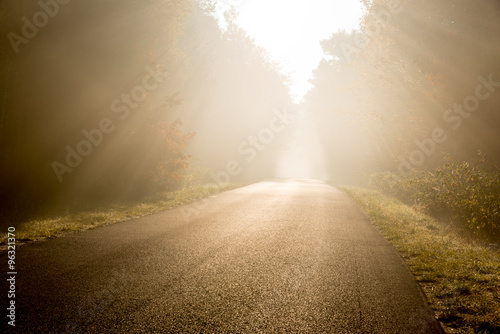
x,y
110,101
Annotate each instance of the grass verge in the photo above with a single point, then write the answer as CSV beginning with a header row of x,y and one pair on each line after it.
x,y
37,229
461,278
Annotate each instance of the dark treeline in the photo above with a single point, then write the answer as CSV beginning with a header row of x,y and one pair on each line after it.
x,y
413,85
112,100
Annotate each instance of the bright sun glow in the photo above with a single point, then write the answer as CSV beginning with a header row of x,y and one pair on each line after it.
x,y
291,30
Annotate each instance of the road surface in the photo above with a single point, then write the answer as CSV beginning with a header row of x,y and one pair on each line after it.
x,y
289,256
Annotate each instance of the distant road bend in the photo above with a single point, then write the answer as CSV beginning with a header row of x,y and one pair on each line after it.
x,y
287,256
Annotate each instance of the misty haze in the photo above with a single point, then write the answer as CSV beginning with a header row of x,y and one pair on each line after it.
x,y
237,166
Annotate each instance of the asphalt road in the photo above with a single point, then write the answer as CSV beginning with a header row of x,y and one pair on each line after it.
x,y
291,256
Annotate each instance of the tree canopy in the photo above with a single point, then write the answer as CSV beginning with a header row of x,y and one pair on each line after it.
x,y
105,100
412,72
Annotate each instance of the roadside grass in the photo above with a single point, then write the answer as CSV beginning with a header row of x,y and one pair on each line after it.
x,y
42,228
460,277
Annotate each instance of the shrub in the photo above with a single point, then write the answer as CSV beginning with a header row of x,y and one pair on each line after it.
x,y
469,191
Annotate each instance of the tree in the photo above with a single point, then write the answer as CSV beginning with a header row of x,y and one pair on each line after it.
x,y
410,62
63,83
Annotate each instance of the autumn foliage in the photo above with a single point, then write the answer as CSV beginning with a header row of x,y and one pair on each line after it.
x,y
173,160
141,66
398,76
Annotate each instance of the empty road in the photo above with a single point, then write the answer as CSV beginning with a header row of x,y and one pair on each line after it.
x,y
283,256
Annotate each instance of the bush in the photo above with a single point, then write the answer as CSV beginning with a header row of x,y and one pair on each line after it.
x,y
469,191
